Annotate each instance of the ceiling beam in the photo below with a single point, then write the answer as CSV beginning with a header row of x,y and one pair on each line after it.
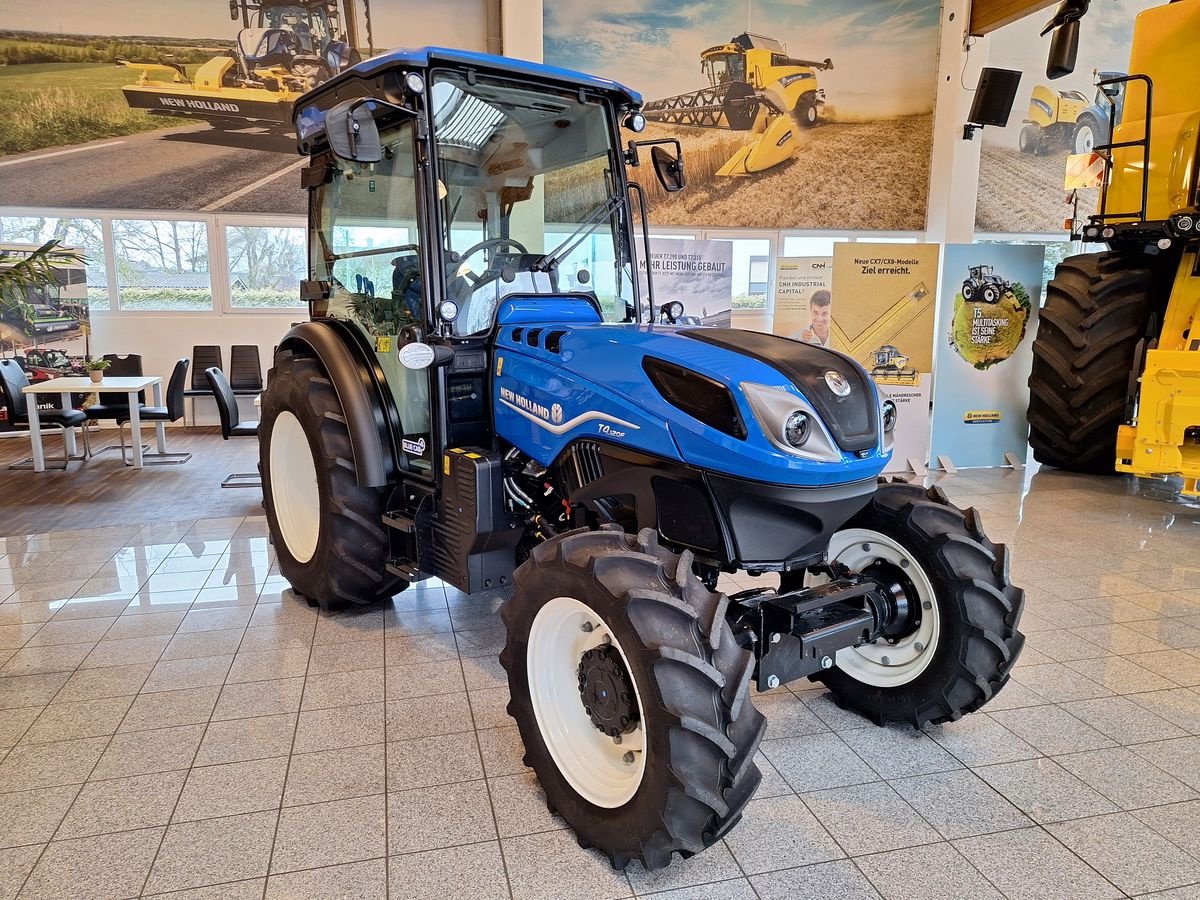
x,y
988,15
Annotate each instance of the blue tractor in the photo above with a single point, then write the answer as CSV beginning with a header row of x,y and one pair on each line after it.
x,y
486,394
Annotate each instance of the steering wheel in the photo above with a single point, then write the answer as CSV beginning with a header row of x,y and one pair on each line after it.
x,y
487,245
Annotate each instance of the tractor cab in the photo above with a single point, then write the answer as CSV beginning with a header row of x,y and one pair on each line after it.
x,y
288,40
446,199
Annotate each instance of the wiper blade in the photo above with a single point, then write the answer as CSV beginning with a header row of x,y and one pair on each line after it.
x,y
549,261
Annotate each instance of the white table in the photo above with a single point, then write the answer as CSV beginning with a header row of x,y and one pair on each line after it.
x,y
75,384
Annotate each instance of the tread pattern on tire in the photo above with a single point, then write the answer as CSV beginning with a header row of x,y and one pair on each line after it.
x,y
348,565
1097,308
972,573
700,686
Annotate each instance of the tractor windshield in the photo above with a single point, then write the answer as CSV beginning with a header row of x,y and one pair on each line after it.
x,y
310,24
529,200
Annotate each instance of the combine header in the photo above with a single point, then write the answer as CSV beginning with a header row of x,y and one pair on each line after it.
x,y
753,86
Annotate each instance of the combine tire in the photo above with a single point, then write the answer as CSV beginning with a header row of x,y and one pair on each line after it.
x,y
329,534
806,111
964,640
612,635
1097,309
1030,139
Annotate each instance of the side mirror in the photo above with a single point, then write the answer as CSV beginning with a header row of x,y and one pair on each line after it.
x,y
668,168
1064,47
233,10
353,134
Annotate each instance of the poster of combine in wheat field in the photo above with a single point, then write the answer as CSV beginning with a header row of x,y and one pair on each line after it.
x,y
791,115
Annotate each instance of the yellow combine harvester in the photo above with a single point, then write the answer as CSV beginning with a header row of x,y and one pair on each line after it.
x,y
891,367
753,85
1116,372
282,50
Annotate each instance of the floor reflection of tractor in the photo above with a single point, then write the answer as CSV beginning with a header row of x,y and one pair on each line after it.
x,y
984,284
891,367
282,50
753,86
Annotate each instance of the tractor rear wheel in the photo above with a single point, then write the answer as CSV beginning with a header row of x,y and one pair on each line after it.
x,y
1097,309
327,530
963,640
631,695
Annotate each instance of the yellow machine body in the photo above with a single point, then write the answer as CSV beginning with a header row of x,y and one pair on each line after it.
x,y
1048,106
1164,48
1164,437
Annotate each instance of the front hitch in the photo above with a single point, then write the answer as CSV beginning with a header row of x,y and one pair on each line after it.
x,y
798,633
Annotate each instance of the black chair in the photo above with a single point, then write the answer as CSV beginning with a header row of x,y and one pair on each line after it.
x,y
231,424
204,356
172,412
245,370
13,381
113,407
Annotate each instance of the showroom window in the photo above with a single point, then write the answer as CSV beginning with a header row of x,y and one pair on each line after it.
x,y
806,245
83,234
751,270
162,265
265,266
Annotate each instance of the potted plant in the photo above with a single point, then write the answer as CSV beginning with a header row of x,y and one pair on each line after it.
x,y
95,369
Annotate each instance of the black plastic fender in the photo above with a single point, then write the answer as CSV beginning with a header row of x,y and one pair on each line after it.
x,y
371,416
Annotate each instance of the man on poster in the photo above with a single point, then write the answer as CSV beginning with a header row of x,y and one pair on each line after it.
x,y
820,307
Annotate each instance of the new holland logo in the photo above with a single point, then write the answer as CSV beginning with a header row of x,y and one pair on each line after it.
x,y
552,418
837,383
202,105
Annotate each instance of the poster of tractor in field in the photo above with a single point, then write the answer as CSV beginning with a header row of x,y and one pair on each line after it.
x,y
183,104
803,116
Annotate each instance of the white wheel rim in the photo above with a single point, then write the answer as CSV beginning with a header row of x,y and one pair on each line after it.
x,y
294,487
1084,141
591,762
882,664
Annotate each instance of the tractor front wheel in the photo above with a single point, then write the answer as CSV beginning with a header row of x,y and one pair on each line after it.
x,y
327,530
1030,139
962,639
968,290
631,695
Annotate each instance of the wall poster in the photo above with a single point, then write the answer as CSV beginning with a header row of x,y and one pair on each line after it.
x,y
1022,167
46,329
180,104
698,274
803,115
988,318
803,299
884,318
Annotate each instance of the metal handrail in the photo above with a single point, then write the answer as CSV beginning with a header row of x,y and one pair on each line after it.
x,y
1106,149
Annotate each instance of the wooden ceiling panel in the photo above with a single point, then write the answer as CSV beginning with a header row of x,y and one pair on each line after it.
x,y
988,15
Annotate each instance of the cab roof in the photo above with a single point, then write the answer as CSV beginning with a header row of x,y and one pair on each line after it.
x,y
429,57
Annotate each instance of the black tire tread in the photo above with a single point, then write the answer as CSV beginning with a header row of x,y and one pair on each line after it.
x,y
1097,308
973,572
682,630
348,567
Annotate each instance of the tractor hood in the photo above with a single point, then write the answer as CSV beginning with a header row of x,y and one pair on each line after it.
x,y
716,399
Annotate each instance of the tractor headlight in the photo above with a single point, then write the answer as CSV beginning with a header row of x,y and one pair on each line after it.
x,y
796,429
635,122
889,416
790,423
415,83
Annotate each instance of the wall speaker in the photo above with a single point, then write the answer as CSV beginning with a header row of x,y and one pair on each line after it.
x,y
994,97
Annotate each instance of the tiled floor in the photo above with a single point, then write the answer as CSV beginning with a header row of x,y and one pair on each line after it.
x,y
174,723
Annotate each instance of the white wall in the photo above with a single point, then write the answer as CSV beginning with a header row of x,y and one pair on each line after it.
x,y
161,339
